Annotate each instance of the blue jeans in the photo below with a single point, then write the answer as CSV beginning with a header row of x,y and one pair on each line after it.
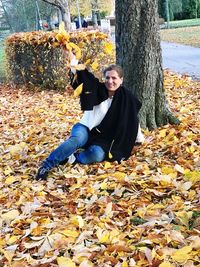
x,y
77,139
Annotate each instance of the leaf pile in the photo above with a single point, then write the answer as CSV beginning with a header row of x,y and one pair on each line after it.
x,y
143,212
43,58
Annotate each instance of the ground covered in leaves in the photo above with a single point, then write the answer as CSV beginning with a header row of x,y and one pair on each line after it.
x,y
143,212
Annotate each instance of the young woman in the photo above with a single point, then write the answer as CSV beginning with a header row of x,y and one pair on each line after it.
x,y
108,128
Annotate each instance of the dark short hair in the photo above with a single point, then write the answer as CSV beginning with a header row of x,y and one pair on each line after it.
x,y
117,68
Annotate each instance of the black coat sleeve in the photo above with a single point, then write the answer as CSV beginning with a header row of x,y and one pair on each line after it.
x,y
94,92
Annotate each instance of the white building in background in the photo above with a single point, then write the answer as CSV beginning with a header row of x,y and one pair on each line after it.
x,y
105,25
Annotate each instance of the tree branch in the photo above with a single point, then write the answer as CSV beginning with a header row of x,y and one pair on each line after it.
x,y
56,3
6,15
51,3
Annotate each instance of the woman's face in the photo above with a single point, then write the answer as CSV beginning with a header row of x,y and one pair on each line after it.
x,y
112,81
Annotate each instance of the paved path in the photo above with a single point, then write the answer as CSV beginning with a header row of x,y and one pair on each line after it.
x,y
181,59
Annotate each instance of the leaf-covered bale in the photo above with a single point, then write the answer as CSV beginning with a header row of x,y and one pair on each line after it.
x,y
37,65
34,59
42,58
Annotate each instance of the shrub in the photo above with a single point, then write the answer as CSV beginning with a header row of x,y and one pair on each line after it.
x,y
42,58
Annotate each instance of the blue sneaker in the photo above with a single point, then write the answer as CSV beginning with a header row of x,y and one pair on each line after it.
x,y
42,174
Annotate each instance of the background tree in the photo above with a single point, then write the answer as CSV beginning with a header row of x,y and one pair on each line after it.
x,y
22,15
14,14
63,6
179,9
138,51
190,8
5,16
87,7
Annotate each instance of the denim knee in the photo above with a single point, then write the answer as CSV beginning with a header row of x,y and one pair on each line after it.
x,y
92,154
98,153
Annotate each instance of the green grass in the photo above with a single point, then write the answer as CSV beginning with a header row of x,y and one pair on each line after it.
x,y
2,61
187,36
184,23
2,51
3,35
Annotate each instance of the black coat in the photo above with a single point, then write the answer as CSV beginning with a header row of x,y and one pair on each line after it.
x,y
117,132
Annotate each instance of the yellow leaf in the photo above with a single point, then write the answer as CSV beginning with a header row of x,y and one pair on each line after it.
x,y
68,47
59,38
103,186
10,180
10,215
193,176
162,133
166,264
107,165
147,152
76,49
119,175
94,65
78,54
80,67
182,254
71,233
8,255
168,170
184,217
8,170
185,186
2,242
110,155
108,48
41,69
78,90
87,62
103,236
12,239
124,264
78,221
65,262
190,149
55,44
108,210
18,148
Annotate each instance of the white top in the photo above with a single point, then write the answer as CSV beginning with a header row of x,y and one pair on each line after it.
x,y
92,118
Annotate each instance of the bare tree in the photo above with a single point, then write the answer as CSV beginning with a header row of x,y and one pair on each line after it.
x,y
63,6
7,18
139,52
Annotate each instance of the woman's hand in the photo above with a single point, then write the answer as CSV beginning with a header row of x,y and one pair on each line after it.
x,y
73,62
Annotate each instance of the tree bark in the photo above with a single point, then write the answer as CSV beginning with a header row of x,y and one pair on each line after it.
x,y
138,51
63,6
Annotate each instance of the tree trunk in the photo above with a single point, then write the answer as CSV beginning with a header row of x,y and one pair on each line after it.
x,y
63,6
66,18
138,51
